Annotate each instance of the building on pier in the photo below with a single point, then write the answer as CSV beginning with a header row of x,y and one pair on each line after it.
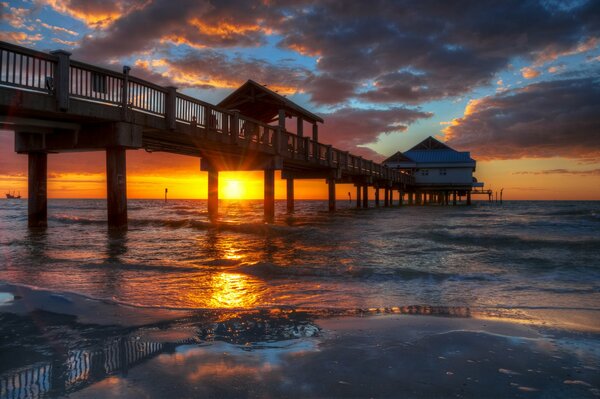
x,y
438,169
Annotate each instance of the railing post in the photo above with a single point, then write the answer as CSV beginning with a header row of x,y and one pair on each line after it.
x,y
315,138
125,94
235,126
61,79
225,123
306,147
277,140
329,156
171,107
207,117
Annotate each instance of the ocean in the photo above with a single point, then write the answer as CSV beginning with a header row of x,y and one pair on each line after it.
x,y
512,260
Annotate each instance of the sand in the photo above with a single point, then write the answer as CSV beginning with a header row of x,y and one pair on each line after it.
x,y
58,344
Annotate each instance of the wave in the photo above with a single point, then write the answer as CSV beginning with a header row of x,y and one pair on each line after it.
x,y
70,219
269,270
512,241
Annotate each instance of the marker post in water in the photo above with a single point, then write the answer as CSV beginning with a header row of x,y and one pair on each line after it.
x,y
166,191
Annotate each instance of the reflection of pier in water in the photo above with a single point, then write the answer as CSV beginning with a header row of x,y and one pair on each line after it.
x,y
125,348
80,369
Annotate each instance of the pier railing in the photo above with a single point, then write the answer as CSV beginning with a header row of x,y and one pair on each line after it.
x,y
56,74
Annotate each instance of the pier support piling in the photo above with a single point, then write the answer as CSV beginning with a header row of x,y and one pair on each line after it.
x,y
365,197
213,194
386,198
331,184
116,187
37,201
269,204
290,195
454,198
376,188
358,196
468,198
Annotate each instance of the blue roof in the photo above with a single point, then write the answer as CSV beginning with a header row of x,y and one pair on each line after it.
x,y
439,156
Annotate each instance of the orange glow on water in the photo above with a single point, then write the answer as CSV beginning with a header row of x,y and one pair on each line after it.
x,y
232,291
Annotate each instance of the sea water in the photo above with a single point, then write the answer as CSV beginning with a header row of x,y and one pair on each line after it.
x,y
506,259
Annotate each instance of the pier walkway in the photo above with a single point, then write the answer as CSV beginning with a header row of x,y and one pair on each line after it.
x,y
55,104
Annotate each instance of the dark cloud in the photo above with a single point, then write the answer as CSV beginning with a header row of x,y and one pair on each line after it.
x,y
211,69
420,51
197,23
379,51
350,128
548,119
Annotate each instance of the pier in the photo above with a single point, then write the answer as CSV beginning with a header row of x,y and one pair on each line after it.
x,y
55,104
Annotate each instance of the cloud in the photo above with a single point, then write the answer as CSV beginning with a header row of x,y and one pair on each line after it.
x,y
213,69
418,52
547,119
20,37
588,172
65,42
15,16
95,13
530,73
378,51
350,129
58,29
197,24
560,68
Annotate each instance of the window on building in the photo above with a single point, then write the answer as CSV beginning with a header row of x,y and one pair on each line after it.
x,y
443,171
424,172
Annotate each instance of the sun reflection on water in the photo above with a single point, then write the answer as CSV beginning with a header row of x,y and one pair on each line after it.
x,y
233,290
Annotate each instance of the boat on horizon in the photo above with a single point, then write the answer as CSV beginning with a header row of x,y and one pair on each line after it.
x,y
13,196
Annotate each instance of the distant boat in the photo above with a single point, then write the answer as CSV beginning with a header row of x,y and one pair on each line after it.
x,y
13,196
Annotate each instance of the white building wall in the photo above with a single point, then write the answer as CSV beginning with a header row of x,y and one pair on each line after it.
x,y
444,176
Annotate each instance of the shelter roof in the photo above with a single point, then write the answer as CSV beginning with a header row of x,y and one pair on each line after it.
x,y
431,144
258,102
398,158
439,156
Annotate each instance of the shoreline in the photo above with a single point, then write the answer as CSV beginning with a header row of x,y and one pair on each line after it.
x,y
105,349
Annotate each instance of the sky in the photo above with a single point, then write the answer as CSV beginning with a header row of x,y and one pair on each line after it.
x,y
516,83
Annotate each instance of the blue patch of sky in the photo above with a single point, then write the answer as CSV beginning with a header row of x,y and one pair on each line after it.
x,y
47,15
271,51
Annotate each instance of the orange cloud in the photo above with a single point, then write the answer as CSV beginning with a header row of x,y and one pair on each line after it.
x,y
530,73
65,42
552,52
95,14
20,37
57,28
224,30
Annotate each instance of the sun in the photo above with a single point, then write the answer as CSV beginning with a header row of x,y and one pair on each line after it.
x,y
233,190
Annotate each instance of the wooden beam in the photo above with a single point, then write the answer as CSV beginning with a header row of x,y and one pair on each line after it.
x,y
37,198
116,187
269,197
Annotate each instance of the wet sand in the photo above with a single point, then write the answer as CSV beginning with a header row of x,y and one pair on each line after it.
x,y
57,345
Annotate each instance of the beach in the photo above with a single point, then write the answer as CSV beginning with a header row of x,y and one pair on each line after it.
x,y
108,350
483,301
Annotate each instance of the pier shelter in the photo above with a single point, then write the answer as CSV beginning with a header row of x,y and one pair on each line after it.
x,y
439,171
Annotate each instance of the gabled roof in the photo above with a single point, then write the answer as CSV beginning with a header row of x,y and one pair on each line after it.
x,y
431,144
431,151
398,158
258,102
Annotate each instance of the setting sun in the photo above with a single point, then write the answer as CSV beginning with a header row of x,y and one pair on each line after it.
x,y
233,190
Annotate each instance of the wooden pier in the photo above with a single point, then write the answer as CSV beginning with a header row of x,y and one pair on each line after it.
x,y
55,104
